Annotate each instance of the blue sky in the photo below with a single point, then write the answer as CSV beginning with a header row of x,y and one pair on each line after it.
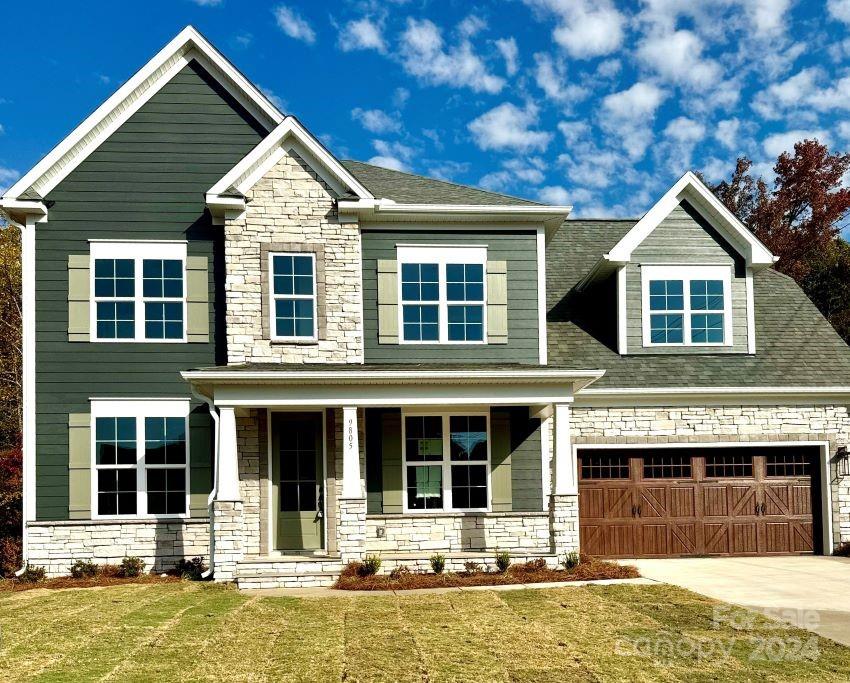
x,y
594,103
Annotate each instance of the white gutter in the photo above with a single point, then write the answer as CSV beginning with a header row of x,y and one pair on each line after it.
x,y
214,491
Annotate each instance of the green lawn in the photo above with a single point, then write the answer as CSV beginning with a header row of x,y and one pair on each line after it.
x,y
192,632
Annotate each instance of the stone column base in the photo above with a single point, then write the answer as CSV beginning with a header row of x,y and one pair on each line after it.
x,y
351,529
563,521
228,530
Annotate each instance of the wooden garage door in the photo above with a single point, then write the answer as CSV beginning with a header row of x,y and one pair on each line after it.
x,y
680,502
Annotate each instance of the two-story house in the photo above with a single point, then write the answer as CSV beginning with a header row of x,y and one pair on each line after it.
x,y
238,346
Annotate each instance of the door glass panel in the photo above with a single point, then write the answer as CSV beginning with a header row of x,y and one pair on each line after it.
x,y
604,466
788,465
666,466
298,483
729,466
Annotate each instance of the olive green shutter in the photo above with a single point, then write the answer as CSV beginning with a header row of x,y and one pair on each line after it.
x,y
79,297
197,299
500,460
200,461
79,466
391,461
387,302
497,302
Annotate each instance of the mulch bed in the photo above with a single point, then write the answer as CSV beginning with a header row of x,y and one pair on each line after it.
x,y
589,569
103,579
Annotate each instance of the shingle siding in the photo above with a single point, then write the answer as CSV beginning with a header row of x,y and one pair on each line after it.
x,y
147,181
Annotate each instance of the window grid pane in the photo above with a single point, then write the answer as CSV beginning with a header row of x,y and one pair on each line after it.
x,y
166,491
162,278
293,295
788,465
164,320
165,441
425,487
423,437
728,466
116,319
666,328
667,467
116,491
468,437
114,278
604,466
469,486
115,441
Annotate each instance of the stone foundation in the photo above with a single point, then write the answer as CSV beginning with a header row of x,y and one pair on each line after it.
x,y
456,532
351,530
57,545
563,517
229,530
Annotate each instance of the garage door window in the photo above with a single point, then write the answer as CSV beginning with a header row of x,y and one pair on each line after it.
x,y
728,466
788,465
667,467
604,466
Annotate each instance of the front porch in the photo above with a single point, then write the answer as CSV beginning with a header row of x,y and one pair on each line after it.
x,y
459,464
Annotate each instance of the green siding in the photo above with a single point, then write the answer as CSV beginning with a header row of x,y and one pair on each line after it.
x,y
526,462
500,461
684,238
518,249
147,181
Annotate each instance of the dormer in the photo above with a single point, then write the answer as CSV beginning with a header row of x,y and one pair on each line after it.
x,y
684,277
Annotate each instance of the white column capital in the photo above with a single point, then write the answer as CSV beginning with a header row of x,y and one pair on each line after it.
x,y
351,485
564,459
227,471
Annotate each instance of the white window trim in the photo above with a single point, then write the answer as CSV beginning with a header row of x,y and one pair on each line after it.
x,y
442,256
136,251
686,274
138,409
446,462
273,297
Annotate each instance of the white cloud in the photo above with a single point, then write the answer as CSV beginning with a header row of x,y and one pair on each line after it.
x,y
727,132
716,169
804,94
243,39
681,135
839,10
278,102
207,3
389,162
574,131
293,24
434,136
423,54
767,16
609,68
7,177
394,155
515,172
589,165
471,25
554,194
677,57
551,77
629,114
362,34
585,28
400,97
510,53
376,120
447,169
844,130
506,126
777,143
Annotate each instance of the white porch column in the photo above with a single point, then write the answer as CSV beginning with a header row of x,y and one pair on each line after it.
x,y
564,459
351,486
228,464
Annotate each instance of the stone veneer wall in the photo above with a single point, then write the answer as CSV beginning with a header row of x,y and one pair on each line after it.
x,y
292,204
57,545
659,425
447,532
252,449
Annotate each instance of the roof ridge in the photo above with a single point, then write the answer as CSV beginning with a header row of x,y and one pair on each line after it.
x,y
439,180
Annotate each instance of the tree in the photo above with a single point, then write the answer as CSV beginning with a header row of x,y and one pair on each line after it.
x,y
800,220
11,359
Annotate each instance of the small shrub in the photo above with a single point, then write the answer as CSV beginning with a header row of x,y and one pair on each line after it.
x,y
351,570
399,572
571,560
503,561
131,567
438,563
843,549
370,566
191,569
83,569
32,575
471,567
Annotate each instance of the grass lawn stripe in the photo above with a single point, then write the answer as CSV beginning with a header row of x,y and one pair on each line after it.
x,y
94,613
378,643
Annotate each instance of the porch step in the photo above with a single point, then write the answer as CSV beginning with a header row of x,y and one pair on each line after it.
x,y
289,571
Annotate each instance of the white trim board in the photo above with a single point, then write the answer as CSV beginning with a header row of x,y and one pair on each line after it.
x,y
691,188
189,44
827,529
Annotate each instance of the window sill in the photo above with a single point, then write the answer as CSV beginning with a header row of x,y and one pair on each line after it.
x,y
125,520
294,342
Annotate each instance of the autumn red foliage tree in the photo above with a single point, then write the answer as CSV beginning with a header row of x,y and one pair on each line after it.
x,y
800,218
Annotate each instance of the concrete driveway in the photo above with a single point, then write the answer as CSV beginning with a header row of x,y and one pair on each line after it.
x,y
809,592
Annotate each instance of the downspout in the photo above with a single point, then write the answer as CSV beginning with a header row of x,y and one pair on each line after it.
x,y
214,414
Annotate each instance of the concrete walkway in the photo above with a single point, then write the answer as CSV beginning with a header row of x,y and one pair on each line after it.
x,y
809,592
333,593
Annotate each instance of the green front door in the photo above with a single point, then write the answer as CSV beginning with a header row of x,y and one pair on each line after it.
x,y
297,486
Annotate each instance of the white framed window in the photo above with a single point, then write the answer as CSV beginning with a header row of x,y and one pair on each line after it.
x,y
446,461
138,291
293,296
442,294
686,305
140,458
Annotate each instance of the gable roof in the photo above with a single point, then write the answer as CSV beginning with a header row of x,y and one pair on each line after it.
x,y
188,45
797,347
691,188
408,188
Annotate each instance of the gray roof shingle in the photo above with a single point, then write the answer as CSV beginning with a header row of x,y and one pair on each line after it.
x,y
415,189
795,345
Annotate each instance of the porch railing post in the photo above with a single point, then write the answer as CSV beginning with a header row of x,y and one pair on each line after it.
x,y
564,460
227,508
228,464
563,506
351,485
